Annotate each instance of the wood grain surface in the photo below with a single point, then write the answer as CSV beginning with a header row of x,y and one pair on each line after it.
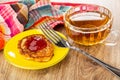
x,y
75,66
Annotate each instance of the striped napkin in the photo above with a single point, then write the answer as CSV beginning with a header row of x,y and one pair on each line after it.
x,y
16,16
11,21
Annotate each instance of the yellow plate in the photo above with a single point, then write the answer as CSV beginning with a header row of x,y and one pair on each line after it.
x,y
13,56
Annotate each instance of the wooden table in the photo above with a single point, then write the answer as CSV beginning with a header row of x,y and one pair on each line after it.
x,y
75,66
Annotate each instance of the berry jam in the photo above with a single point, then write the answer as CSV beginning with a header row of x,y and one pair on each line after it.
x,y
35,43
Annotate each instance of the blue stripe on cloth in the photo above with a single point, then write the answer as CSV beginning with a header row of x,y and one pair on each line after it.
x,y
64,8
28,2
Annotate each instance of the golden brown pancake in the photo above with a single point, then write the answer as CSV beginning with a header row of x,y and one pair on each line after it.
x,y
36,47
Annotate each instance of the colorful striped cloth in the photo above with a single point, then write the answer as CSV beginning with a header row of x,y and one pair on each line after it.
x,y
13,18
16,16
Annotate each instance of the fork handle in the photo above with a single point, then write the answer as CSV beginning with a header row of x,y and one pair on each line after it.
x,y
112,69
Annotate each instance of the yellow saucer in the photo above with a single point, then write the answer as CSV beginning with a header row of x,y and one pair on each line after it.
x,y
13,56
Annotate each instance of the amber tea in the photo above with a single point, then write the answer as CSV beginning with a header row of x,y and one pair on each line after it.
x,y
88,27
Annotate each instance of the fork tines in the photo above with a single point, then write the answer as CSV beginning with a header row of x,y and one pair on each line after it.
x,y
50,33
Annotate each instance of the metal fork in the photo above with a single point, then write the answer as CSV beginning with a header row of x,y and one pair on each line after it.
x,y
55,38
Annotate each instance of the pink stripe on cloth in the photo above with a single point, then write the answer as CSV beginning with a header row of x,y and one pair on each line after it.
x,y
14,25
66,4
90,7
10,2
6,11
9,16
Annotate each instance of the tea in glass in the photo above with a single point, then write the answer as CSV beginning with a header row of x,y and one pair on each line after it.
x,y
88,24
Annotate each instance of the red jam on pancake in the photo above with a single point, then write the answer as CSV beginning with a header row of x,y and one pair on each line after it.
x,y
36,47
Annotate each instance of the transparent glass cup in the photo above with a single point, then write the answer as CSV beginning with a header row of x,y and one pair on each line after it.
x,y
88,24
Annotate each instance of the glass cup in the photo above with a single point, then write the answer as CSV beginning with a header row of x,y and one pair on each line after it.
x,y
88,24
